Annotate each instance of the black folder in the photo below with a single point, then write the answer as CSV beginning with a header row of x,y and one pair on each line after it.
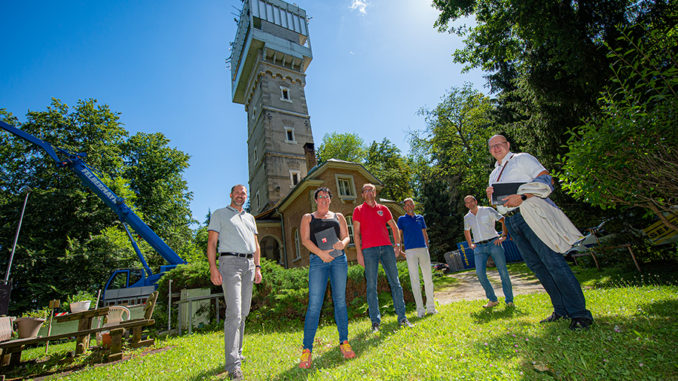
x,y
502,190
326,239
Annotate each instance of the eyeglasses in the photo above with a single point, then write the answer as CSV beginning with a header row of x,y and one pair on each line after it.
x,y
498,145
368,190
321,197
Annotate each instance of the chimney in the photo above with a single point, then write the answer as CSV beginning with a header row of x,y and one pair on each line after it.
x,y
309,151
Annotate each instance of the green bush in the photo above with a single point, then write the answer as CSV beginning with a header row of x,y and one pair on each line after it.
x,y
283,293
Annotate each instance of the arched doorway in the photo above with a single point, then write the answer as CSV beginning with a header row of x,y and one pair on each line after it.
x,y
270,248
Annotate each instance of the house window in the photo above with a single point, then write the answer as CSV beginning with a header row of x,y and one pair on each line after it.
x,y
285,94
297,245
295,176
346,187
349,225
289,135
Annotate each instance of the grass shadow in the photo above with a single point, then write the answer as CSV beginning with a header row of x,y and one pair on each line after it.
x,y
639,346
487,315
332,358
217,373
665,308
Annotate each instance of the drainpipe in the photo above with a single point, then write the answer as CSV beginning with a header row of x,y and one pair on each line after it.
x,y
284,241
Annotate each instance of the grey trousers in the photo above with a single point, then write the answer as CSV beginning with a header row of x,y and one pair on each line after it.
x,y
237,275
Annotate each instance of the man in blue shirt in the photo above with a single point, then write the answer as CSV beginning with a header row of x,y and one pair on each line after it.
x,y
413,230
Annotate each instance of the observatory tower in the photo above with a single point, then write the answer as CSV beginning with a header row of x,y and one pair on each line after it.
x,y
269,58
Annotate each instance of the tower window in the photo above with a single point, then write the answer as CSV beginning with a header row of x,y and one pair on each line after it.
x,y
295,177
285,94
289,135
255,155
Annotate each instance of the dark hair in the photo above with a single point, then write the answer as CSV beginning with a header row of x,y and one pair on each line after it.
x,y
322,189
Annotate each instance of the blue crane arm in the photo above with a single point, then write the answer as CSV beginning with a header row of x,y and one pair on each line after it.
x,y
117,204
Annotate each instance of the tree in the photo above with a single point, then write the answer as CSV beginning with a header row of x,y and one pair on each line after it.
x,y
628,154
155,172
342,146
385,161
546,59
70,240
451,160
455,140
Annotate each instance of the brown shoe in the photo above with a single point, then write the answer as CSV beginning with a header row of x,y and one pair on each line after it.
x,y
491,304
305,362
346,350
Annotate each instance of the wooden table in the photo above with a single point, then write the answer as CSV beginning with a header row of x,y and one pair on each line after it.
x,y
84,324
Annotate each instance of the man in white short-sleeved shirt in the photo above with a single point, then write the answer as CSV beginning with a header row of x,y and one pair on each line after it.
x,y
482,220
235,231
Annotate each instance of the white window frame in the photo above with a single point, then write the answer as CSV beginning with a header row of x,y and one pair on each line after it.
x,y
349,227
287,133
297,245
351,195
285,94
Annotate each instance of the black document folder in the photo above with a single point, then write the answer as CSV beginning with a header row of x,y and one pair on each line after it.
x,y
502,190
326,240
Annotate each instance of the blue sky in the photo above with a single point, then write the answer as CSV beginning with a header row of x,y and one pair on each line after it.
x,y
161,65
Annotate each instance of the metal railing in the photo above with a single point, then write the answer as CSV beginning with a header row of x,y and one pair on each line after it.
x,y
189,310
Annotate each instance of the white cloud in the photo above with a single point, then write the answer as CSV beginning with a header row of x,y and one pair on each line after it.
x,y
360,5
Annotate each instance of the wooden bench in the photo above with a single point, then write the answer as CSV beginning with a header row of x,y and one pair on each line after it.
x,y
11,349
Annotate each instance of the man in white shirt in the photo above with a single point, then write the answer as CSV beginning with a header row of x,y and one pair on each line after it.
x,y
486,242
548,265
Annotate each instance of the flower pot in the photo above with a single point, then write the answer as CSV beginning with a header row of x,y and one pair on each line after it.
x,y
106,340
80,306
28,327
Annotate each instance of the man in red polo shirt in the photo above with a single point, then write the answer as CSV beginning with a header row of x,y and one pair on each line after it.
x,y
373,245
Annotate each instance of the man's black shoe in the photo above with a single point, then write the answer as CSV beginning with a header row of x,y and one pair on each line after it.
x,y
580,323
375,327
554,317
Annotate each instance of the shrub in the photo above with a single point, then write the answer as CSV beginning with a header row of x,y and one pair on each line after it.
x,y
283,293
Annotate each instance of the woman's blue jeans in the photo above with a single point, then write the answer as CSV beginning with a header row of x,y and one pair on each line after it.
x,y
550,268
386,255
318,274
481,253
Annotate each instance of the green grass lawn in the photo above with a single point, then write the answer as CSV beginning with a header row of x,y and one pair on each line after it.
x,y
634,337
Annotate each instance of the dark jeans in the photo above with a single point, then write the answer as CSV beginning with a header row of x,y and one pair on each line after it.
x,y
551,269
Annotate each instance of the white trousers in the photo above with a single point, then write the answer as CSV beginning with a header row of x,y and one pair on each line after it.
x,y
417,258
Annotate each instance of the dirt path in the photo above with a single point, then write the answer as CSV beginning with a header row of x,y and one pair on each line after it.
x,y
470,289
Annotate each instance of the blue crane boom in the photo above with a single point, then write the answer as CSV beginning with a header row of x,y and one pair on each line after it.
x,y
74,162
